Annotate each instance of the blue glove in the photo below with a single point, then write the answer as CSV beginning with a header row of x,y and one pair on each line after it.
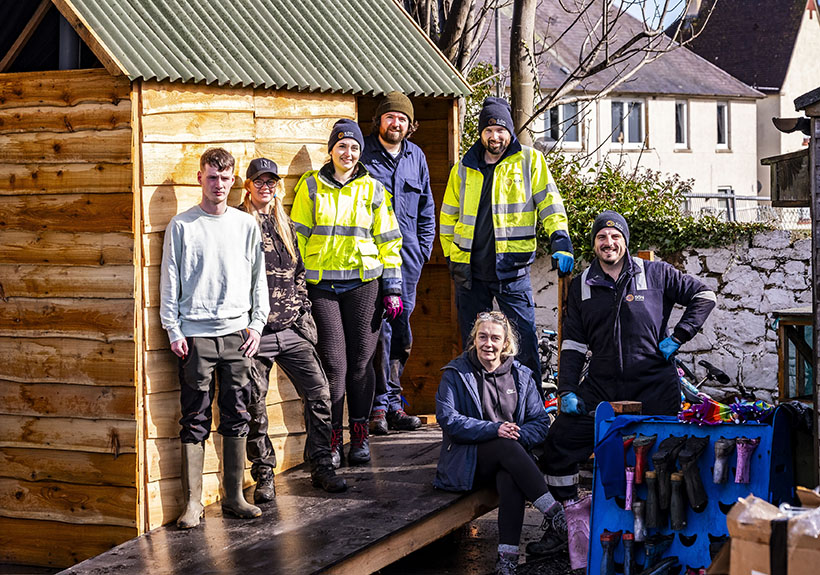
x,y
571,404
565,262
669,347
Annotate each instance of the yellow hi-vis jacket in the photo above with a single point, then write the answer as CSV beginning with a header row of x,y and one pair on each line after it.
x,y
522,190
348,232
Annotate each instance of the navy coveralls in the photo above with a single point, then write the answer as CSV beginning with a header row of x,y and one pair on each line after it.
x,y
621,323
408,180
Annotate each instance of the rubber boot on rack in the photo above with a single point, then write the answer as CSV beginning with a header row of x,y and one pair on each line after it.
x,y
577,515
716,543
193,459
336,451
628,440
689,455
664,462
639,527
609,541
359,442
233,477
652,513
655,547
677,508
745,450
629,553
723,449
642,445
630,483
667,566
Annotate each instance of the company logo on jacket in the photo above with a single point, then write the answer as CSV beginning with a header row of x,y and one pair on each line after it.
x,y
631,297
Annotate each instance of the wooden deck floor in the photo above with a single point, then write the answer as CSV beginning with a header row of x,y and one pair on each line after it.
x,y
389,510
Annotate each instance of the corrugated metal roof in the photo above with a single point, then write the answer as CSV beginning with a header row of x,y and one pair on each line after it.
x,y
348,46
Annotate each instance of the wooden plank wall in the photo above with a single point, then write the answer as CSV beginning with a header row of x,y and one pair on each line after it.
x,y
435,329
179,123
68,446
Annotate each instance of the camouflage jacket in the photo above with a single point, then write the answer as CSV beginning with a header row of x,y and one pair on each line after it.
x,y
289,303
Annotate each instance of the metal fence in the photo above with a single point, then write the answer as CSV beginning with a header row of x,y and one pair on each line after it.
x,y
730,207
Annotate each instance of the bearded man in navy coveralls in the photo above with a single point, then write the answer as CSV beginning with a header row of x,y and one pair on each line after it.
x,y
402,167
618,310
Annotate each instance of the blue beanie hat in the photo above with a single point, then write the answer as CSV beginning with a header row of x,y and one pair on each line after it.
x,y
610,219
345,129
495,112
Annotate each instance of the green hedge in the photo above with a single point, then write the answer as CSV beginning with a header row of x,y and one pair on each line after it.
x,y
650,202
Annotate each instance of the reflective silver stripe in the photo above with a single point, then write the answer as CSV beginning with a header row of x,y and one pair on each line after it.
x,y
465,244
312,186
504,209
585,291
387,236
374,273
348,231
552,209
446,230
562,480
302,229
449,210
640,279
467,220
527,167
312,274
572,345
541,194
708,295
391,273
378,195
335,274
462,189
514,232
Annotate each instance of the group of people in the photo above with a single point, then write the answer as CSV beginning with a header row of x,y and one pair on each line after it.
x,y
327,293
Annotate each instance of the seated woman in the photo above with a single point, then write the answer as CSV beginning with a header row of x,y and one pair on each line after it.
x,y
491,415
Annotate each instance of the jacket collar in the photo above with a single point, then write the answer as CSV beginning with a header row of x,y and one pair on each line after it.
x,y
326,173
373,141
472,159
597,276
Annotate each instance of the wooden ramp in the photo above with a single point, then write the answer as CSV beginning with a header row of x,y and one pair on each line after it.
x,y
389,510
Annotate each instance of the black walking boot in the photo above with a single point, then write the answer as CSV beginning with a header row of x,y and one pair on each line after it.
x,y
359,442
265,490
336,451
401,421
689,455
324,476
664,461
378,422
554,538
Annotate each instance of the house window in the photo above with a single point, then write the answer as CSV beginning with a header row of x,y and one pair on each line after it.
x,y
562,123
722,125
681,125
627,122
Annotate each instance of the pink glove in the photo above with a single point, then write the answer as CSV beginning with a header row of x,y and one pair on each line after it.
x,y
393,306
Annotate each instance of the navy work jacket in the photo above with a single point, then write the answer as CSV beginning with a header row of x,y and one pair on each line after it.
x,y
459,413
407,179
622,323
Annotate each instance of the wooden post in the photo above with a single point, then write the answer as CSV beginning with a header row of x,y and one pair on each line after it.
x,y
814,182
563,294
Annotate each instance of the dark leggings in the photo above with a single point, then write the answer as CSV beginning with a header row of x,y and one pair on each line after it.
x,y
348,326
505,463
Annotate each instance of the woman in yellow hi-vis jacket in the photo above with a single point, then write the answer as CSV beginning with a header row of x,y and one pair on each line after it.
x,y
349,238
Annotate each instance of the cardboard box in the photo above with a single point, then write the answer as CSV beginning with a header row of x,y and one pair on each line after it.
x,y
766,541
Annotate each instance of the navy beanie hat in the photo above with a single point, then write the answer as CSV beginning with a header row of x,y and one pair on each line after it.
x,y
345,129
610,219
495,112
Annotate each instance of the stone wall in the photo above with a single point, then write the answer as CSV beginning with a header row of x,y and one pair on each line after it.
x,y
751,279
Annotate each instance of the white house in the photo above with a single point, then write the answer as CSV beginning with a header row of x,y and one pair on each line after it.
x,y
773,46
679,114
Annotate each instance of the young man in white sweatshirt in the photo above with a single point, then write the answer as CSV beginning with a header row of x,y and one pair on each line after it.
x,y
214,303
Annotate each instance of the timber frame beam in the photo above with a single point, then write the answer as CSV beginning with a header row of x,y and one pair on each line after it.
x,y
25,35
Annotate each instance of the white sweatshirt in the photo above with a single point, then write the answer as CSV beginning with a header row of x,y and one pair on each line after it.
x,y
213,278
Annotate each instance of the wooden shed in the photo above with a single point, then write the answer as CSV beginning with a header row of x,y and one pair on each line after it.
x,y
95,159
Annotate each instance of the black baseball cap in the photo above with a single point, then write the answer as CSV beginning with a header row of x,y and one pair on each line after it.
x,y
261,166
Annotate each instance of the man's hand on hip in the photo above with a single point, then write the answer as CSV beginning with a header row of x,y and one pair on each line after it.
x,y
251,345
